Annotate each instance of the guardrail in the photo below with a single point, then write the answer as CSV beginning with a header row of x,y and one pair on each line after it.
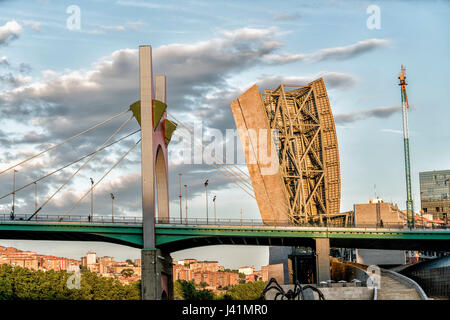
x,y
195,221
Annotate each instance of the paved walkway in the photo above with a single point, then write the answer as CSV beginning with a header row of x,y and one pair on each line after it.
x,y
392,289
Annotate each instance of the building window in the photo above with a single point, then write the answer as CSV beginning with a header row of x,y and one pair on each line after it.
x,y
437,209
424,210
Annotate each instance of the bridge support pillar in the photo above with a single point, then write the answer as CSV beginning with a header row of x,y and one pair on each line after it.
x,y
322,259
157,275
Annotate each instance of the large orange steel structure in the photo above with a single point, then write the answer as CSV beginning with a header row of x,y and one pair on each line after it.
x,y
289,140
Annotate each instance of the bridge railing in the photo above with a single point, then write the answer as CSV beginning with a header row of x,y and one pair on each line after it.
x,y
71,218
199,221
275,223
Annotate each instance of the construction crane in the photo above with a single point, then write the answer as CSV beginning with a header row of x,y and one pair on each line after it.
x,y
405,107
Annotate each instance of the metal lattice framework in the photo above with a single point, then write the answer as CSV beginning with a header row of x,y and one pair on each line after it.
x,y
308,150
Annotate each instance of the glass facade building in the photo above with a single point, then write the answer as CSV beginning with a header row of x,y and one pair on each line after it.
x,y
435,193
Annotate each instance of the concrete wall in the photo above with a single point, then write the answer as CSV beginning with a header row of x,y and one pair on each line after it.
x,y
279,255
342,271
276,271
366,214
334,293
380,257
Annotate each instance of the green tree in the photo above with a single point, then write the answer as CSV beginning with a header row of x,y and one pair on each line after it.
x,y
247,291
189,291
129,262
127,273
23,284
177,290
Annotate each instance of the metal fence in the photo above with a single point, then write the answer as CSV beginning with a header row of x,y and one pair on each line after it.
x,y
195,221
435,282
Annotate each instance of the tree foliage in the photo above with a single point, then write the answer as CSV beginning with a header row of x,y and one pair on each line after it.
x,y
247,291
187,290
24,284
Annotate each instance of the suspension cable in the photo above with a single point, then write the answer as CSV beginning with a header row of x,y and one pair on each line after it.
x,y
68,139
92,187
185,126
81,167
244,179
190,130
230,178
68,165
223,165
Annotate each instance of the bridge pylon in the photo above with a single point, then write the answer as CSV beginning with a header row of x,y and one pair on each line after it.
x,y
156,130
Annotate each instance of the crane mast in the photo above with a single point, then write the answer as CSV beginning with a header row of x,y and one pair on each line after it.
x,y
405,107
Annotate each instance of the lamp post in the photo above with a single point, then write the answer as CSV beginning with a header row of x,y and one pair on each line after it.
x,y
91,217
185,199
112,207
206,190
35,197
13,209
214,201
181,210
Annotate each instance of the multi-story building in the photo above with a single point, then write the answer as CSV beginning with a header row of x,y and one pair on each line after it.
x,y
201,272
247,270
435,193
33,261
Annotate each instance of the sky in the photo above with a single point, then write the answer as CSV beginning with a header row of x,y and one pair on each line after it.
x,y
62,72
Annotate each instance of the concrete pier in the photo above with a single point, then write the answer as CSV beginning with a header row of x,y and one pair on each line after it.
x,y
157,275
322,259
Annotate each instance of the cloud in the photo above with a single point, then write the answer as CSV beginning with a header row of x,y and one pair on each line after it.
x,y
392,131
4,61
335,53
12,80
286,16
377,112
115,28
132,25
35,25
9,31
62,103
333,80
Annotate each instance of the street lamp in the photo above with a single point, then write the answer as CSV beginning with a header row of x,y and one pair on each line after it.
x,y
35,197
206,190
214,201
185,199
181,210
91,217
13,209
112,207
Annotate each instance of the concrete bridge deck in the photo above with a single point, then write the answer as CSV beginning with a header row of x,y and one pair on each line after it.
x,y
174,237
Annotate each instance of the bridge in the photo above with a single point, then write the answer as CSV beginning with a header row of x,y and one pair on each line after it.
x,y
303,211
179,235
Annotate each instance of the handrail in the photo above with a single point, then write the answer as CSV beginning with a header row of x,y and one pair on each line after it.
x,y
107,219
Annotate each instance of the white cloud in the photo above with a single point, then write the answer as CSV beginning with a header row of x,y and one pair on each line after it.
x,y
335,53
9,31
377,112
286,16
35,25
4,61
114,28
